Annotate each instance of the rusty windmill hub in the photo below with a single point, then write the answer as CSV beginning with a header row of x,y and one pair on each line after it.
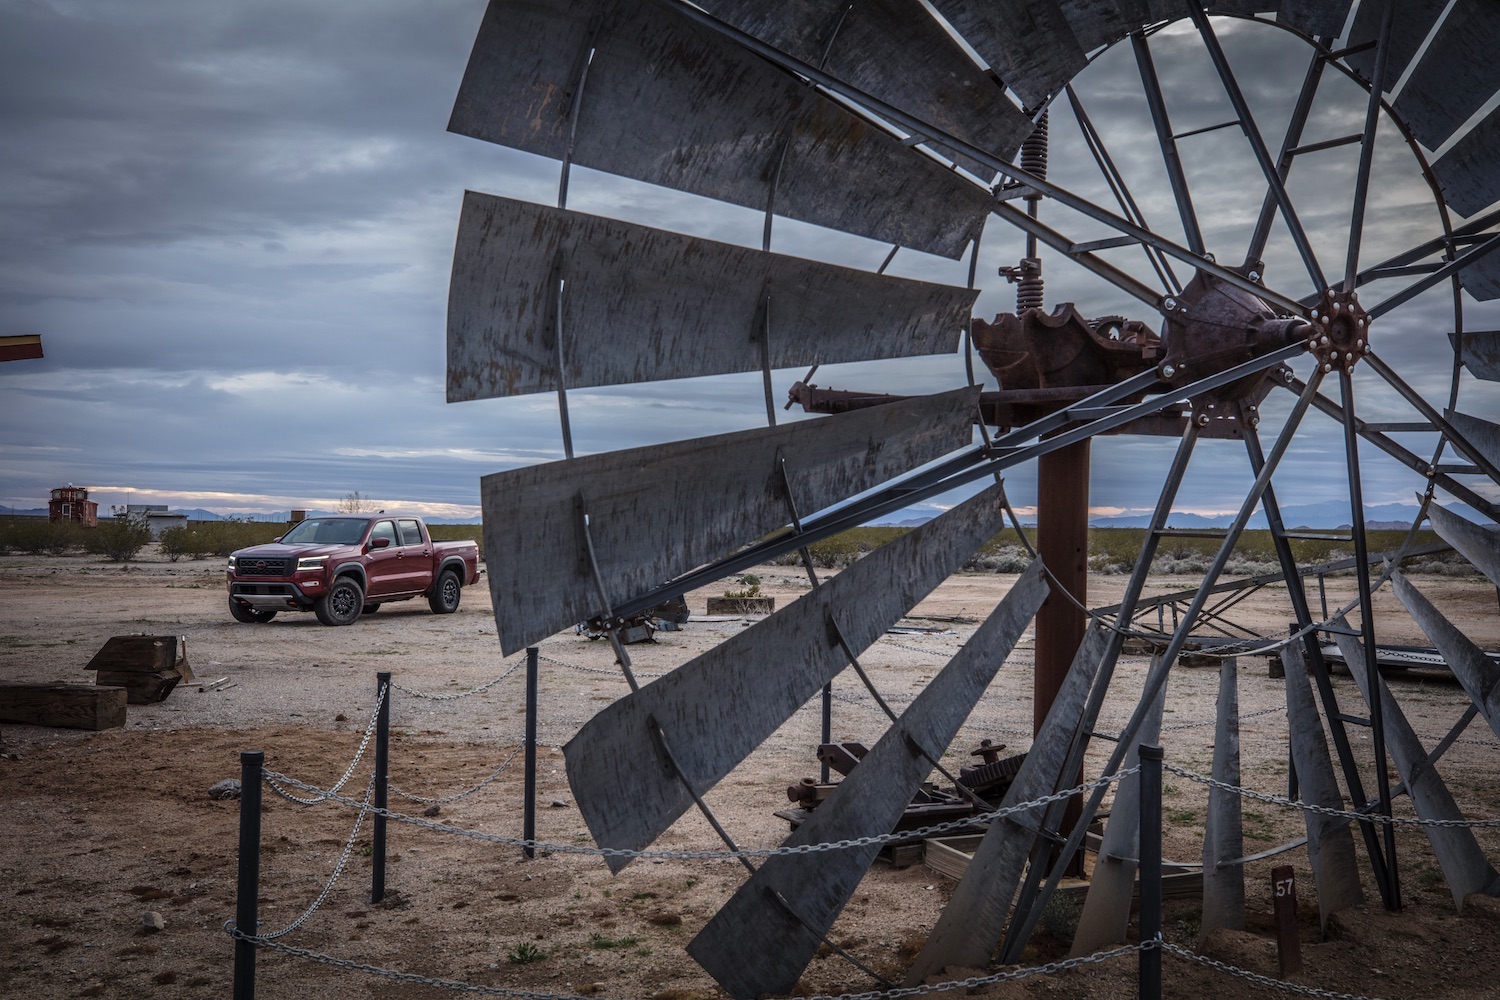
x,y
1341,330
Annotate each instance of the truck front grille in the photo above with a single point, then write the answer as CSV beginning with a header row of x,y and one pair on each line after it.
x,y
264,567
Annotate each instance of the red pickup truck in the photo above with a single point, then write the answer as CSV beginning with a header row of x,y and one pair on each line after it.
x,y
342,567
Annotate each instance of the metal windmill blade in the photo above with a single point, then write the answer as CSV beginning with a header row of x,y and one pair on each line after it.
x,y
763,938
921,126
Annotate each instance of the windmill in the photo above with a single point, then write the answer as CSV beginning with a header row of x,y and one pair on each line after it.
x,y
923,126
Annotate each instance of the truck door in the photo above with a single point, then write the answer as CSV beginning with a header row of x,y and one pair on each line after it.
x,y
383,565
416,556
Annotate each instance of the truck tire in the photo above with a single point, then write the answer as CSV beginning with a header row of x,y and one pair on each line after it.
x,y
445,593
342,604
250,616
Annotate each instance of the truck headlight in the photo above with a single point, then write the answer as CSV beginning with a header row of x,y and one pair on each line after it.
x,y
310,562
231,564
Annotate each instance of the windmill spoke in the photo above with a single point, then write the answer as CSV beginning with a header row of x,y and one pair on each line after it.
x,y
1367,148
1367,627
1258,145
1291,139
1176,177
1106,164
1473,255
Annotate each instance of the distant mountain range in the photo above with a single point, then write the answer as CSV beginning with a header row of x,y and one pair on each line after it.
x,y
275,516
1323,516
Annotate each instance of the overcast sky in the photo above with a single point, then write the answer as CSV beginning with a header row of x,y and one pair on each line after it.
x,y
232,226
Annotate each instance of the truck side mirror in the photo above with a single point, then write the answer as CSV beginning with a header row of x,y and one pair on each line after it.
x,y
379,543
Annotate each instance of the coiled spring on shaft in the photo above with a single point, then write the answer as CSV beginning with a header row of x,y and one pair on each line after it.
x,y
1029,284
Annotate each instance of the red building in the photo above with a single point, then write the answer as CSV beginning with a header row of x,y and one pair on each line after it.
x,y
72,503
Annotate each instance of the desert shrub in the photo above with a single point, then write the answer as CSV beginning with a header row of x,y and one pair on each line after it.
x,y
1005,559
201,539
119,538
39,536
749,587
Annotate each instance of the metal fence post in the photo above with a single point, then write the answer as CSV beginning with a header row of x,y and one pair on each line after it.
x,y
247,903
1150,876
528,807
382,783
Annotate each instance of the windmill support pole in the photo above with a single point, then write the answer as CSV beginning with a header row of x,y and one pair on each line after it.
x,y
1063,543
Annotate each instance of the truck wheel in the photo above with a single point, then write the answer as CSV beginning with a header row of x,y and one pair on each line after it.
x,y
371,608
445,593
342,604
250,616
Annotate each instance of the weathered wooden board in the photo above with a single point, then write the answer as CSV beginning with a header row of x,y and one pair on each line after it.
x,y
143,653
67,706
148,667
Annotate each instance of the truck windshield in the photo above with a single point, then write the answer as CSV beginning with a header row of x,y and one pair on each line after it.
x,y
326,531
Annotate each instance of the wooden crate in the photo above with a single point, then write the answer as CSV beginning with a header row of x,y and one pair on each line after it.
x,y
67,706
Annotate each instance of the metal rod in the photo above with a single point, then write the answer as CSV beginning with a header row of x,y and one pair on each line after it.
x,y
1062,244
1293,135
528,795
1437,420
1116,181
1257,144
247,886
1468,258
1367,148
1367,632
1469,233
765,359
382,784
1151,888
575,102
557,337
1405,457
660,736
1176,176
765,236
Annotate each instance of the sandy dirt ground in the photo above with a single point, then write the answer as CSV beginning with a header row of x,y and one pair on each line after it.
x,y
98,828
